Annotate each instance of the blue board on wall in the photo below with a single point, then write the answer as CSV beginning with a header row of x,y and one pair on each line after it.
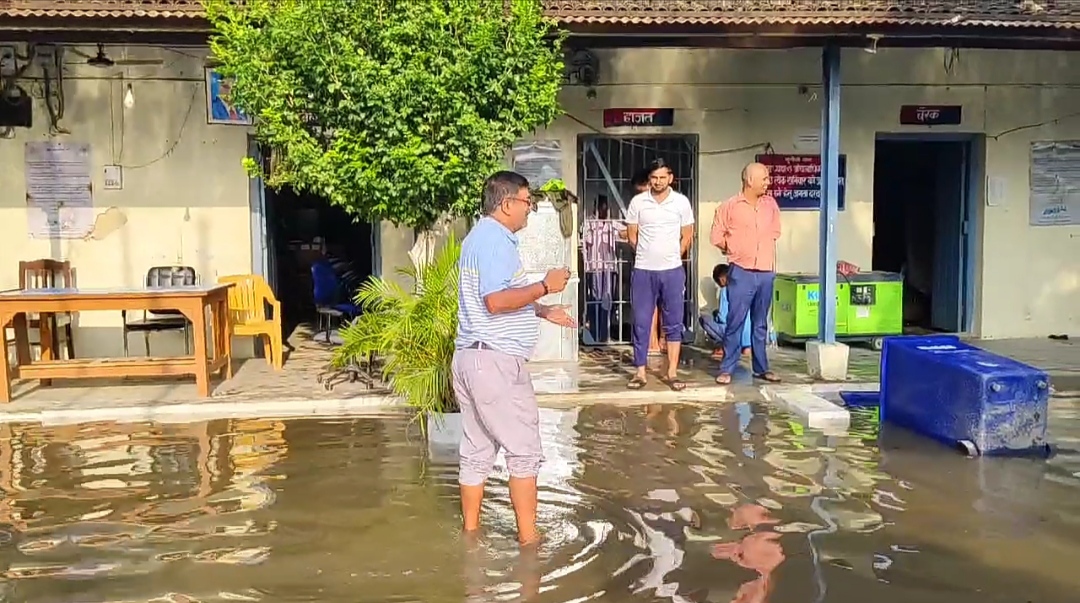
x,y
796,180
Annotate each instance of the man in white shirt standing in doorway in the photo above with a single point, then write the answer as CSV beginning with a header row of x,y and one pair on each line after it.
x,y
660,227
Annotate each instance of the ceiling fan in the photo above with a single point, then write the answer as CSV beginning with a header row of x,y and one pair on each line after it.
x,y
102,60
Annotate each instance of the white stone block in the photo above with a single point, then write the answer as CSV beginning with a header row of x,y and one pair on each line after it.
x,y
827,361
813,410
555,377
444,436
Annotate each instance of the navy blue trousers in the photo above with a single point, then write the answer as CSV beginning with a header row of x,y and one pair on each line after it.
x,y
747,290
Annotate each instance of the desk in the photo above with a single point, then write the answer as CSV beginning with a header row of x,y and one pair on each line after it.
x,y
191,301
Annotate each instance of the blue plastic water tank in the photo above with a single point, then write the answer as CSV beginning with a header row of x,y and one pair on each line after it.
x,y
943,388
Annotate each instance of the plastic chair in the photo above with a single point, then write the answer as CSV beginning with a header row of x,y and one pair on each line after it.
x,y
162,277
327,293
249,298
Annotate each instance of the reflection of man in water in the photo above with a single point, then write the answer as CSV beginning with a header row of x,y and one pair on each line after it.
x,y
479,568
759,551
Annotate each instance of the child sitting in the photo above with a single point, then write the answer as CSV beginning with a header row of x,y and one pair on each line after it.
x,y
715,323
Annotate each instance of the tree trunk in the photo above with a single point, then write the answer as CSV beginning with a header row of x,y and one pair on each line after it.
x,y
427,242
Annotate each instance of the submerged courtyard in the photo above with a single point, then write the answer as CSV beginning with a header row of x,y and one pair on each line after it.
x,y
662,502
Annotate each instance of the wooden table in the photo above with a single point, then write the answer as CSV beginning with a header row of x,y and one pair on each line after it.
x,y
192,302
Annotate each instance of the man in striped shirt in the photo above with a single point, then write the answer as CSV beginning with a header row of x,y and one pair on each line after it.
x,y
498,327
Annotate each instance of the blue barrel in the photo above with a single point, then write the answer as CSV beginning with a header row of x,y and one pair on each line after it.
x,y
964,396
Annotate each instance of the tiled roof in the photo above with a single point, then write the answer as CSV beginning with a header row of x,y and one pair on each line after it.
x,y
1027,13
985,13
102,8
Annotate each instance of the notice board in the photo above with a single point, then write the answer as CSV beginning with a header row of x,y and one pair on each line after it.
x,y
1055,183
796,180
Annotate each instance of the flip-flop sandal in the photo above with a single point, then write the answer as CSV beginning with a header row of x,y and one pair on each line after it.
x,y
676,384
723,379
636,383
769,377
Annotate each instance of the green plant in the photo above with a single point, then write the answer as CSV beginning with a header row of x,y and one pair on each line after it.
x,y
410,331
555,185
394,110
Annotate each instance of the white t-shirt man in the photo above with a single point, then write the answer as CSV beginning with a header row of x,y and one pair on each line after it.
x,y
659,226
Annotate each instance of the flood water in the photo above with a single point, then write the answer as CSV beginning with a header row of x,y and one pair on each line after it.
x,y
663,503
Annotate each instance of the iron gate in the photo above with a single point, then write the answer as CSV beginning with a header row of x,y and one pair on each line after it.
x,y
606,168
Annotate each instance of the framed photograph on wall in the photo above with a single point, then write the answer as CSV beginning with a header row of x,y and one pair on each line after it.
x,y
219,110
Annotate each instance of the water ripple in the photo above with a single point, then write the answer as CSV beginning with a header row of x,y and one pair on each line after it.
x,y
735,502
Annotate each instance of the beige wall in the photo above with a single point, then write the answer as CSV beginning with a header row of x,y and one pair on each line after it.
x,y
1028,278
184,198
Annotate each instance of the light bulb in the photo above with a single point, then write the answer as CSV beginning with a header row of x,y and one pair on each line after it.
x,y
129,97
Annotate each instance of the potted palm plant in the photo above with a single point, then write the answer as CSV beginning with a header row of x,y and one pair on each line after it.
x,y
411,332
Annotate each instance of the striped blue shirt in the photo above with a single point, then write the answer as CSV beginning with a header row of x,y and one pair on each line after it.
x,y
489,263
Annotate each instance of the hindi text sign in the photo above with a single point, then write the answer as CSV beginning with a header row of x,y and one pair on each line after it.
x,y
796,180
931,115
614,118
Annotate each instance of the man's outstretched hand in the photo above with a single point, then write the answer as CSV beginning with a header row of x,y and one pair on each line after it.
x,y
557,315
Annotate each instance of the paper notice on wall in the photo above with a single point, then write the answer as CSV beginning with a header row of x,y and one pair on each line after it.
x,y
59,194
1055,183
541,244
538,160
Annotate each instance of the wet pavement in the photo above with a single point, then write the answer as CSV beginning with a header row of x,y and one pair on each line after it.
x,y
651,503
600,375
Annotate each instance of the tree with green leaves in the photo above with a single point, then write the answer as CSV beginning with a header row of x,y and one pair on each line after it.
x,y
394,110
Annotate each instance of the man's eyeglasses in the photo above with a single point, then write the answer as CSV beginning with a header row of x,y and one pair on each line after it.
x,y
532,204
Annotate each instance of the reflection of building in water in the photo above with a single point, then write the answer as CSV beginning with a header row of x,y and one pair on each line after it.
x,y
108,471
255,446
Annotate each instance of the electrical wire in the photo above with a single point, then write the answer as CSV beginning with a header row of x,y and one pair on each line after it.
x,y
177,139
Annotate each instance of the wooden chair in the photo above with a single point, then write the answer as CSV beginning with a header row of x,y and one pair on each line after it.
x,y
50,274
249,298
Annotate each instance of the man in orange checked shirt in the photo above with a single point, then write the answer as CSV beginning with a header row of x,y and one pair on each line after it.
x,y
745,228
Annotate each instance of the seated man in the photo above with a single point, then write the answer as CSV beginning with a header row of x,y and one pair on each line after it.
x,y
714,323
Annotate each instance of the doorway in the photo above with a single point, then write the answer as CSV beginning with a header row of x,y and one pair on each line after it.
x,y
923,191
304,230
606,169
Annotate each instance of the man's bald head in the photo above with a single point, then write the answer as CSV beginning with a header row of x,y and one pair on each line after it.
x,y
751,170
755,179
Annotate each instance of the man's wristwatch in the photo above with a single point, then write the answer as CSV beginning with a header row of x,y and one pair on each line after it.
x,y
544,285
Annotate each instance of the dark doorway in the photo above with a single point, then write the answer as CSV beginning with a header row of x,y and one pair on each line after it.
x,y
606,169
921,227
304,229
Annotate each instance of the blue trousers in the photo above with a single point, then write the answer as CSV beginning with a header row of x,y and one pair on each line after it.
x,y
715,329
747,290
647,288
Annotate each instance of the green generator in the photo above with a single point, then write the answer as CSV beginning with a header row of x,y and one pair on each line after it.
x,y
869,306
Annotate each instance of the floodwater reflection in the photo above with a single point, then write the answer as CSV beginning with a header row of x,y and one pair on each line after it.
x,y
729,503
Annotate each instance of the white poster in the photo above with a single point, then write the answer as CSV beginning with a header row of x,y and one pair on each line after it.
x,y
59,194
539,161
1055,183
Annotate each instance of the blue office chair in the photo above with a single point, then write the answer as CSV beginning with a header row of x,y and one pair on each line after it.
x,y
329,305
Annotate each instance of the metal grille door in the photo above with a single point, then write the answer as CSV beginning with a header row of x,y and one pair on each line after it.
x,y
606,168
